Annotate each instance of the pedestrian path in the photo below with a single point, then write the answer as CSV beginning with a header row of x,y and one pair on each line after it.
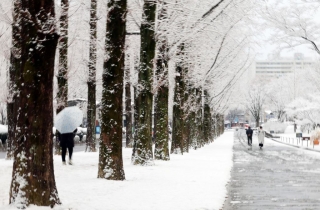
x,y
278,177
77,148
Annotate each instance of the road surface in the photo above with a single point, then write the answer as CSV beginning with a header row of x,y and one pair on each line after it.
x,y
278,177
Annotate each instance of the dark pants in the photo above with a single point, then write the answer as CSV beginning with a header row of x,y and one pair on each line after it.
x,y
249,140
64,151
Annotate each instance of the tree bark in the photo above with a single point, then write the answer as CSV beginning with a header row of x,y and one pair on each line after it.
x,y
33,179
221,124
199,123
207,124
180,133
177,145
91,107
129,139
14,71
62,94
161,123
206,119
257,121
161,126
214,125
110,152
192,132
142,148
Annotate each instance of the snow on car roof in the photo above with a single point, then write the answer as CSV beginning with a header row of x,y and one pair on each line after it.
x,y
3,129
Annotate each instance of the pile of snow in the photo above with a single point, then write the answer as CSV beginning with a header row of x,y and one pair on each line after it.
x,y
196,180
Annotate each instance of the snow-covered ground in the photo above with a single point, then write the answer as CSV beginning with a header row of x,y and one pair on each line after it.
x,y
196,180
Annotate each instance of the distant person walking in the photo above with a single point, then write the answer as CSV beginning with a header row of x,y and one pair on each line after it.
x,y
67,142
261,134
249,133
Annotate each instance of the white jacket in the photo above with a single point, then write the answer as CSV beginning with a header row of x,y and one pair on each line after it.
x,y
261,134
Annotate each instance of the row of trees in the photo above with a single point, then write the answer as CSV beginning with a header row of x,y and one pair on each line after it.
x,y
203,55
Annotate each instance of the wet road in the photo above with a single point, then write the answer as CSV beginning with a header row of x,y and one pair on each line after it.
x,y
277,177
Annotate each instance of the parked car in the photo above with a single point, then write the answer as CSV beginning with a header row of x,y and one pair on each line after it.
x,y
3,134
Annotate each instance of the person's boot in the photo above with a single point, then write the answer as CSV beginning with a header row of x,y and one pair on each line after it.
x,y
64,163
70,162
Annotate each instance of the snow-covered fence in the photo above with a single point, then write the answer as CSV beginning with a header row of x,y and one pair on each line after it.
x,y
305,141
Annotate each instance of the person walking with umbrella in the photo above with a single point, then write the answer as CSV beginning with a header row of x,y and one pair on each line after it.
x,y
67,142
66,122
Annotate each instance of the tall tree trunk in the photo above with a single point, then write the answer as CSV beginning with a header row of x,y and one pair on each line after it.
x,y
128,101
178,113
191,120
33,179
128,113
207,124
199,123
221,124
206,120
161,126
192,133
62,94
161,151
91,108
14,71
214,126
142,148
186,112
110,152
177,124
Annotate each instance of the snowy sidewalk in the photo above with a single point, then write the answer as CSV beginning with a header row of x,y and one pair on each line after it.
x,y
196,180
277,177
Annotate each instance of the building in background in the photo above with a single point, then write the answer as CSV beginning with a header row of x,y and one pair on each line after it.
x,y
276,67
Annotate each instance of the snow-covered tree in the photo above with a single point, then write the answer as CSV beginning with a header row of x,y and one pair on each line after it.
x,y
179,140
295,23
278,95
305,110
62,77
33,50
142,148
161,120
110,144
255,99
91,109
